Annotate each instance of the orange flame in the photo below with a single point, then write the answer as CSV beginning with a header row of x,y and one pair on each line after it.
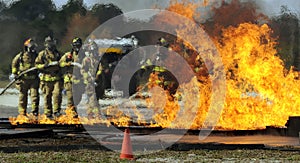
x,y
259,91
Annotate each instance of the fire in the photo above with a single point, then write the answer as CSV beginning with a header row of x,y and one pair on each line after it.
x,y
164,108
184,8
21,119
259,91
68,117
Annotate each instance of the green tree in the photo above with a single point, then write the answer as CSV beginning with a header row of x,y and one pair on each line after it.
x,y
286,28
105,12
22,19
39,18
72,7
29,10
79,26
2,6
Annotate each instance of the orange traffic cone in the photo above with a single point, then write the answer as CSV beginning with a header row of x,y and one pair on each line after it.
x,y
126,152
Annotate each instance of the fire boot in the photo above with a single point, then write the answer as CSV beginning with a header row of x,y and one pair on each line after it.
x,y
49,116
33,118
57,115
35,114
74,112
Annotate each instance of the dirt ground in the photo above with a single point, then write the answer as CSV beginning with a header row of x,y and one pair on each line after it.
x,y
83,148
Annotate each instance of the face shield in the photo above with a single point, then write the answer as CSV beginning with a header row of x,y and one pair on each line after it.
x,y
76,47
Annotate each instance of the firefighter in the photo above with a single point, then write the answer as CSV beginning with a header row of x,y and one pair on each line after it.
x,y
166,79
51,82
29,81
89,70
100,80
72,76
135,41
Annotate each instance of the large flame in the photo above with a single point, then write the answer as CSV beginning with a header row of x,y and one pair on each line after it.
x,y
259,91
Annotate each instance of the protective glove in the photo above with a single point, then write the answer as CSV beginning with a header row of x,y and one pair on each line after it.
x,y
68,64
41,66
12,77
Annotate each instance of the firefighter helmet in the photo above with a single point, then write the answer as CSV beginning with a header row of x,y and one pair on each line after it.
x,y
50,43
30,45
90,48
76,43
163,42
92,44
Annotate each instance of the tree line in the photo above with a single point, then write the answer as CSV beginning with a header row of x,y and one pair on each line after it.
x,y
40,18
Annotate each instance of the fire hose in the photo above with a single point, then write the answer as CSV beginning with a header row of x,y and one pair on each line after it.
x,y
23,73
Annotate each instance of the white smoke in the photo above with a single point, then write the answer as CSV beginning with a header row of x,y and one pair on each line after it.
x,y
272,7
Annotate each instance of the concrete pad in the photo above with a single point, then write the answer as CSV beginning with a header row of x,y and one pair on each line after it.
x,y
253,141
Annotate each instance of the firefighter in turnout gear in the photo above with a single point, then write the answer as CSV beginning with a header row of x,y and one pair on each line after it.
x,y
89,70
29,81
165,79
72,76
50,78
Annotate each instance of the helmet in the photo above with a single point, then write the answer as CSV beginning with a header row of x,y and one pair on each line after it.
x,y
163,42
50,43
91,47
92,44
76,43
30,45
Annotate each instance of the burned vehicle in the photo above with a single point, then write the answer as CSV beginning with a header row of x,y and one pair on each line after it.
x,y
111,51
137,68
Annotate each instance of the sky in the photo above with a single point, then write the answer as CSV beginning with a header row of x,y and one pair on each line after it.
x,y
269,7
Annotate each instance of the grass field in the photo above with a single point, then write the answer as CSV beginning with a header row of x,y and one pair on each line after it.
x,y
162,156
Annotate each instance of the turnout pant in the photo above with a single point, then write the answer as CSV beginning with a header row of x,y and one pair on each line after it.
x,y
52,91
24,86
